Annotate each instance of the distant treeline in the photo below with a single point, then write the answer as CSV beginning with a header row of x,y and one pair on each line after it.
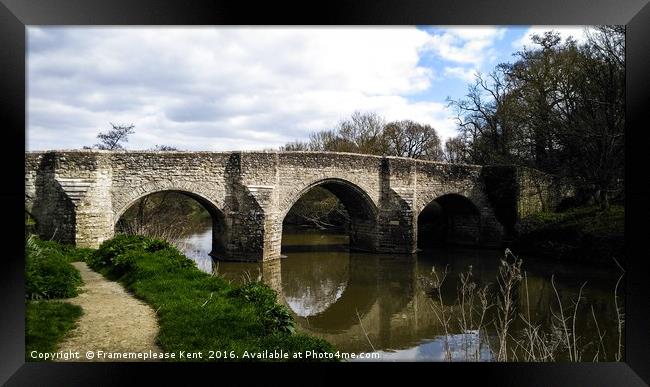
x,y
369,133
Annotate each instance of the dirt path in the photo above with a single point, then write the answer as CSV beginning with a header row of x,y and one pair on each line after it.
x,y
113,320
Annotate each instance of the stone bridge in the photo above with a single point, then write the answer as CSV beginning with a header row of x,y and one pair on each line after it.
x,y
78,196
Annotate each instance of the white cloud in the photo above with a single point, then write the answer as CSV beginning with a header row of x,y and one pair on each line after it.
x,y
466,45
224,88
465,74
577,32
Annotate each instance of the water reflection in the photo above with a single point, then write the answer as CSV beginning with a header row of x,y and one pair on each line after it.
x,y
462,346
314,282
198,246
359,301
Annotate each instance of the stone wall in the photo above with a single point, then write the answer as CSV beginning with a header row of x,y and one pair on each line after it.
x,y
82,194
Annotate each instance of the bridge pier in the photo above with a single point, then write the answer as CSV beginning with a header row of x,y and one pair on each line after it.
x,y
396,222
251,237
396,231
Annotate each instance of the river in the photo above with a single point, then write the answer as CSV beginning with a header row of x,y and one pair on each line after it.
x,y
387,304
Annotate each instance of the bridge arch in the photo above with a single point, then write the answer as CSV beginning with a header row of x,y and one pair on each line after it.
x,y
360,206
451,218
219,224
123,200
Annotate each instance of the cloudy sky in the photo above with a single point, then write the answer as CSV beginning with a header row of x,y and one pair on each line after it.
x,y
227,88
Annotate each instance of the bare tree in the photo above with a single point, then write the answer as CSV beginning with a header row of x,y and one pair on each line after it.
x,y
111,140
363,132
456,150
484,117
368,133
411,139
295,146
609,42
164,148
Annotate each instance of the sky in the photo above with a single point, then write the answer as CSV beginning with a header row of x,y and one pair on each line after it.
x,y
250,88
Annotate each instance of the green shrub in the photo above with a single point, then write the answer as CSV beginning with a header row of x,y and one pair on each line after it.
x,y
118,255
103,257
124,262
48,273
274,317
277,318
153,245
256,292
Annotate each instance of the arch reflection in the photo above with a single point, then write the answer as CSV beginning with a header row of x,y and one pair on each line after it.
x,y
326,290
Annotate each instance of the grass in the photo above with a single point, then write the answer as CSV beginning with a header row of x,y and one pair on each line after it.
x,y
586,234
49,276
197,311
47,322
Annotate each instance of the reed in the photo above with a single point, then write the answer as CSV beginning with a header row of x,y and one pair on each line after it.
x,y
506,308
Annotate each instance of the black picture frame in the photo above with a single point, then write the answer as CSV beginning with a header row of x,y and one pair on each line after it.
x,y
15,15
